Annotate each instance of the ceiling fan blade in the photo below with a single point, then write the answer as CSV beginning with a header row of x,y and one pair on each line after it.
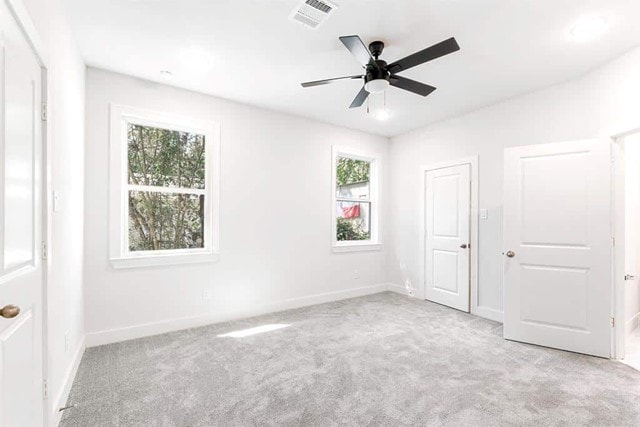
x,y
327,81
359,50
436,51
360,98
411,85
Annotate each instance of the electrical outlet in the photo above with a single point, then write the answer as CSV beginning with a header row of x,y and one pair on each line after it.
x,y
484,214
356,275
207,294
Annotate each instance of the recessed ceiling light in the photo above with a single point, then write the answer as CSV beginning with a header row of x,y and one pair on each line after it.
x,y
588,28
165,75
197,59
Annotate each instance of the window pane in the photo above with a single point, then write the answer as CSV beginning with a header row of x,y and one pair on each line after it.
x,y
160,221
353,221
165,158
352,178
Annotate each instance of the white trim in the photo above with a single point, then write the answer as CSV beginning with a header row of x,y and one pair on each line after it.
x,y
375,159
166,190
488,313
27,26
473,162
95,339
614,135
47,237
620,131
481,311
63,394
398,289
363,246
631,324
119,255
618,285
156,260
147,329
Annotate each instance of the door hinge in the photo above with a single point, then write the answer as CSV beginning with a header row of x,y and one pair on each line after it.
x,y
43,112
45,389
613,241
613,322
44,251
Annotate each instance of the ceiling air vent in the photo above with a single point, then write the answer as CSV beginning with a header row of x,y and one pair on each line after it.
x,y
312,13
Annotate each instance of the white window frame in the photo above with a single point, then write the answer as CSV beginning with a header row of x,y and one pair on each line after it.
x,y
374,243
119,254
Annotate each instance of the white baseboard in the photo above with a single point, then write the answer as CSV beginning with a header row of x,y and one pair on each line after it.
x,y
60,399
399,289
488,313
480,311
94,339
632,324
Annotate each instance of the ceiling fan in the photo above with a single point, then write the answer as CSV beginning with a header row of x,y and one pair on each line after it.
x,y
379,75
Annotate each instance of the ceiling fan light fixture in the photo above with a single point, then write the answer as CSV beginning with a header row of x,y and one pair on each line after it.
x,y
376,86
382,115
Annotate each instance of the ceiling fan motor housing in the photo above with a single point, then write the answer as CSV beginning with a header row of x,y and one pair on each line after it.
x,y
379,72
374,73
376,48
376,79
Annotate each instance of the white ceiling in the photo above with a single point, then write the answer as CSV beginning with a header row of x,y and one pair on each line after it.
x,y
259,57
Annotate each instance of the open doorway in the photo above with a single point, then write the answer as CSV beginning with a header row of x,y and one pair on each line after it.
x,y
628,212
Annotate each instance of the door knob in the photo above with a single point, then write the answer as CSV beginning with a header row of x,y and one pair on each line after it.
x,y
511,254
463,246
9,311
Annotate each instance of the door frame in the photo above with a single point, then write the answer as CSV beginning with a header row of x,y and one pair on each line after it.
x,y
472,161
22,17
618,286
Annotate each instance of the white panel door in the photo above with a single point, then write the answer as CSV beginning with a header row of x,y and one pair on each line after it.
x,y
20,235
557,243
447,208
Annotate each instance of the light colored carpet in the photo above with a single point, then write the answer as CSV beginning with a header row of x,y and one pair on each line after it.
x,y
383,359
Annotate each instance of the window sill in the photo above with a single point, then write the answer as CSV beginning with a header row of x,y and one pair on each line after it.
x,y
356,247
162,260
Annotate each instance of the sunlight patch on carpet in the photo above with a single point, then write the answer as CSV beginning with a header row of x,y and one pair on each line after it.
x,y
253,331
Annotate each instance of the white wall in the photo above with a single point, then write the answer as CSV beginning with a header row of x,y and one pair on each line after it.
x,y
632,230
66,79
580,108
277,163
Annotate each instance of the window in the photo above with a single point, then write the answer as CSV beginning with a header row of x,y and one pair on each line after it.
x,y
355,201
164,182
